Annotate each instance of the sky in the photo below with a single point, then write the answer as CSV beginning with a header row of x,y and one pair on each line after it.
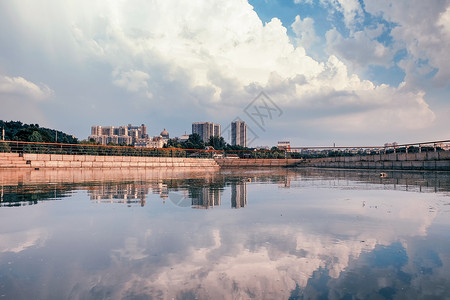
x,y
315,73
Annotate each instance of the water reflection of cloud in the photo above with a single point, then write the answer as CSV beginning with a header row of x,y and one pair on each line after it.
x,y
244,258
284,241
20,240
131,251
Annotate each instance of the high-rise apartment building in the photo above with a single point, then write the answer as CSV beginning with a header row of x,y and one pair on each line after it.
x,y
239,134
206,129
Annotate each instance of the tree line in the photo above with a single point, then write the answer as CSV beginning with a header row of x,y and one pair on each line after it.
x,y
196,142
18,131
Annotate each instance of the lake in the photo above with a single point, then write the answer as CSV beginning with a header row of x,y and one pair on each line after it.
x,y
233,234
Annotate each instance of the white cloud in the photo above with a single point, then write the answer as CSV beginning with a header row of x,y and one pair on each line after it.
x,y
360,49
422,29
303,1
304,30
214,57
133,81
350,9
19,86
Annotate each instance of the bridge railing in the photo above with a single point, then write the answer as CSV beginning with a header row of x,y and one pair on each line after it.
x,y
434,146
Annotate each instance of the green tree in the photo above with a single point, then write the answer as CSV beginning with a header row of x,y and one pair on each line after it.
x,y
218,143
194,142
36,137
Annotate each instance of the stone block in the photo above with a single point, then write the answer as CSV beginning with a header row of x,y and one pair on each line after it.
x,y
411,156
97,164
401,156
43,157
406,165
417,165
30,156
429,165
75,164
68,157
397,165
387,165
37,164
392,156
421,156
432,156
99,158
443,165
378,164
89,158
86,164
51,164
63,164
79,158
442,155
56,157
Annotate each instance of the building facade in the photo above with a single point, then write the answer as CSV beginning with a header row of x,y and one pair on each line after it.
x,y
238,134
128,135
206,129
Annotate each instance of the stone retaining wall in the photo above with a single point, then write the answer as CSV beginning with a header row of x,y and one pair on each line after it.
x,y
255,163
33,161
437,161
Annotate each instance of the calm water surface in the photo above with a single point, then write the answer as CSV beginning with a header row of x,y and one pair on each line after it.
x,y
262,234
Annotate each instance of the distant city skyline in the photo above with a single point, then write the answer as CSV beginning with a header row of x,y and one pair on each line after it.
x,y
334,72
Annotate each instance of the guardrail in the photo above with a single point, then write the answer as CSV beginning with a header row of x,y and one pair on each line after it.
x,y
291,153
86,149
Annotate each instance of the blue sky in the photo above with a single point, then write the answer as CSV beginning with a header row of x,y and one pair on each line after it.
x,y
340,71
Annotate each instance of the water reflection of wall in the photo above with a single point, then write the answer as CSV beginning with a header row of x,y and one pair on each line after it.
x,y
238,195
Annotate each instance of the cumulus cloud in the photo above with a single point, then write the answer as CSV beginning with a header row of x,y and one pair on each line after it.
x,y
360,49
305,32
219,63
350,9
423,31
133,81
19,86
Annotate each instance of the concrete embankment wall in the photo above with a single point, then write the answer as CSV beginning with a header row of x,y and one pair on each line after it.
x,y
33,161
255,163
436,161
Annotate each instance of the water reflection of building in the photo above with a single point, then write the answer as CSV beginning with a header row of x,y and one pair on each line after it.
x,y
129,193
205,197
238,195
160,189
